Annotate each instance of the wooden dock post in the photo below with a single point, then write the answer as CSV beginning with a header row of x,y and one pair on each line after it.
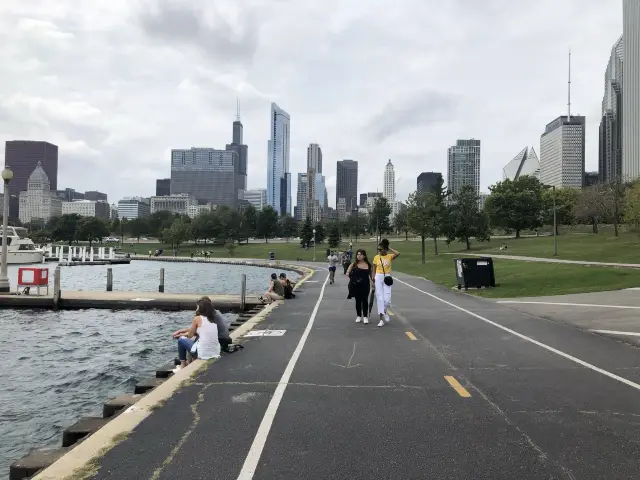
x,y
109,279
56,287
243,292
161,284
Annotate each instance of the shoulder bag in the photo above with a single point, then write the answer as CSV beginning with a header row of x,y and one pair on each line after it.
x,y
388,279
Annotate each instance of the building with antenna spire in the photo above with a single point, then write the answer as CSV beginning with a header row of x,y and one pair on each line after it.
x,y
562,148
241,149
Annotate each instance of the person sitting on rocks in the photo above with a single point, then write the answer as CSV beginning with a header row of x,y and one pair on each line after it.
x,y
275,291
206,346
288,286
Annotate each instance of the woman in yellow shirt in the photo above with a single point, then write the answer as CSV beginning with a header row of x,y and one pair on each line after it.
x,y
382,268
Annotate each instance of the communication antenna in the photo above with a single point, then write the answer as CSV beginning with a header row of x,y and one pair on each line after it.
x,y
569,88
238,109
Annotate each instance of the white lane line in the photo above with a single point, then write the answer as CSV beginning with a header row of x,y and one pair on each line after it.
x,y
615,332
529,339
563,304
253,457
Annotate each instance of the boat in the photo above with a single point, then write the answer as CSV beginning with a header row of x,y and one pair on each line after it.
x,y
20,249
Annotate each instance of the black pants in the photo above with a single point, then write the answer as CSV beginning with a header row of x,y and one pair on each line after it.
x,y
224,343
362,303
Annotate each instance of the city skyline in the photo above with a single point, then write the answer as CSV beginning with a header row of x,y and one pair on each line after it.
x,y
124,150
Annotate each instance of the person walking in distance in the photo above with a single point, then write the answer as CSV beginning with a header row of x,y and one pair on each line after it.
x,y
382,277
359,273
333,262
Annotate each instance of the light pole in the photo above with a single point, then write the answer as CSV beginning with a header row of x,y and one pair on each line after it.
x,y
314,244
5,286
555,224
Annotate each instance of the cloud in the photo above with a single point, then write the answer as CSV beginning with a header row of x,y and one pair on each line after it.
x,y
118,83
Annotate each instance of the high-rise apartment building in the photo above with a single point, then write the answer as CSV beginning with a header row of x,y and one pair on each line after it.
x,y
463,166
300,210
631,90
347,184
23,157
314,170
278,175
562,152
207,174
389,188
610,132
428,181
525,163
163,187
241,149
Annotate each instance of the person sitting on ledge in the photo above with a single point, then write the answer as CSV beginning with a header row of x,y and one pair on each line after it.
x,y
275,291
223,327
288,286
206,346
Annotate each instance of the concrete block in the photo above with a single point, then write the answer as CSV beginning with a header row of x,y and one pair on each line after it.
x,y
147,384
82,428
116,405
165,371
33,462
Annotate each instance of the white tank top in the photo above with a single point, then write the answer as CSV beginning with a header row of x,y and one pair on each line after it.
x,y
208,344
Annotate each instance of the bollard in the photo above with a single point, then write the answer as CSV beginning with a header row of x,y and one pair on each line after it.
x,y
56,288
243,292
109,279
161,285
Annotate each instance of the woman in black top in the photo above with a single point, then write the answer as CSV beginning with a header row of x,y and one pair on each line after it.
x,y
359,273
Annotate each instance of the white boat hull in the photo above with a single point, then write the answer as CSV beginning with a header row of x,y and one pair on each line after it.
x,y
24,257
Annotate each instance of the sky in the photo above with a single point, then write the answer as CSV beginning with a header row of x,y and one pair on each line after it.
x,y
117,84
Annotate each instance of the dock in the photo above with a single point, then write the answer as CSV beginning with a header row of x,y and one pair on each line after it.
x,y
75,300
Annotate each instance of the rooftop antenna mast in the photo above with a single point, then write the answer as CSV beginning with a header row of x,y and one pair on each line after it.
x,y
238,109
569,89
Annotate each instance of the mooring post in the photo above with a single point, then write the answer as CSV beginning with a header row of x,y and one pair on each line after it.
x,y
56,288
243,292
161,284
109,279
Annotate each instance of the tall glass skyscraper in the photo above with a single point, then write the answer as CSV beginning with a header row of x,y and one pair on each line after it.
x,y
464,165
631,90
278,176
610,132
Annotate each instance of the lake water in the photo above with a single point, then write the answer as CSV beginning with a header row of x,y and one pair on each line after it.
x,y
179,277
62,365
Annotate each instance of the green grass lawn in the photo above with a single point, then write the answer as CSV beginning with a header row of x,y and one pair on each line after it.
x,y
514,278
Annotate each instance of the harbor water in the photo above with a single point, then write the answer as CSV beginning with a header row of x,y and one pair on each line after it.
x,y
60,366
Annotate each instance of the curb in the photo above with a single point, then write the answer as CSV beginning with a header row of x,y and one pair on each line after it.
x,y
79,462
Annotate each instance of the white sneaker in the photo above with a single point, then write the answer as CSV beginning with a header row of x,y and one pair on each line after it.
x,y
381,324
387,318
366,320
358,319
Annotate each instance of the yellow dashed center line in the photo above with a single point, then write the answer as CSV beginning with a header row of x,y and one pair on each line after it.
x,y
457,387
411,335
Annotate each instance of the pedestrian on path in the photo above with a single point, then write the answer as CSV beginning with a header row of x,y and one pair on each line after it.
x,y
333,260
382,278
359,273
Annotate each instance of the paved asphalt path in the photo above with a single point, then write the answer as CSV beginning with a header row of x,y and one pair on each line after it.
x,y
455,387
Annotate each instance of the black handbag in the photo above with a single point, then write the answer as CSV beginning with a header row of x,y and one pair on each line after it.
x,y
388,279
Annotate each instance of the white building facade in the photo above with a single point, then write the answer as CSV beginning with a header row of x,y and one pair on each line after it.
x,y
133,207
38,202
525,163
256,197
631,90
562,152
87,208
178,203
389,188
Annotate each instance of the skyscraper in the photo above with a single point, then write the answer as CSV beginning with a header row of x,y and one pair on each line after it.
x,y
314,170
300,210
278,176
562,152
525,163
347,183
610,142
463,167
389,189
241,149
427,181
163,187
23,157
631,90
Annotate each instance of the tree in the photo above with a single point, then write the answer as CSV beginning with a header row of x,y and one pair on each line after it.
x,y
249,222
66,227
176,234
92,229
632,205
379,217
306,232
267,223
516,204
288,227
599,203
356,223
158,221
123,227
138,227
464,220
400,223
334,236
566,200
320,234
115,225
426,217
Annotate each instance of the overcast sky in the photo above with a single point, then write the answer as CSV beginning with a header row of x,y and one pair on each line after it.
x,y
118,83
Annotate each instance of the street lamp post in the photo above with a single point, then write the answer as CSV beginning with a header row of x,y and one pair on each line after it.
x,y
7,176
314,244
555,222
